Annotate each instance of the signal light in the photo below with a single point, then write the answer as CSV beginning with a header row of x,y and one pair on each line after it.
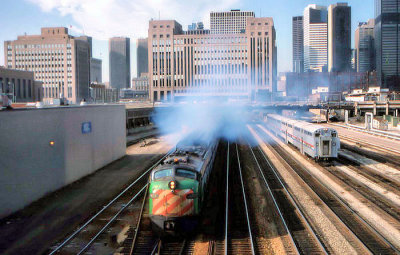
x,y
172,185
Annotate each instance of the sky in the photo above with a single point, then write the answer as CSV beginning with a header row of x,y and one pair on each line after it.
x,y
103,19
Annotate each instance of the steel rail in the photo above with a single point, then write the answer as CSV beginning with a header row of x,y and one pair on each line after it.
x,y
183,247
357,140
226,203
66,241
155,248
245,202
111,220
344,203
293,201
374,132
274,200
139,221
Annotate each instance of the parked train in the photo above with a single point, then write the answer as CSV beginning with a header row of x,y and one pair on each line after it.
x,y
314,140
178,185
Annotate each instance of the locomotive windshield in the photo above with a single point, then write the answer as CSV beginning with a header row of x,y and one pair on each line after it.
x,y
185,173
162,173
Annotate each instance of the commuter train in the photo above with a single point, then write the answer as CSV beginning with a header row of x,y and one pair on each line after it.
x,y
178,186
316,141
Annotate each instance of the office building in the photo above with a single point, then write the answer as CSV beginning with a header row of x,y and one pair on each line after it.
x,y
239,65
339,37
364,46
298,44
232,22
141,83
387,38
140,87
119,62
315,38
95,70
20,85
142,61
59,60
196,26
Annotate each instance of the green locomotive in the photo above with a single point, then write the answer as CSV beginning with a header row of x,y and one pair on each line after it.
x,y
178,185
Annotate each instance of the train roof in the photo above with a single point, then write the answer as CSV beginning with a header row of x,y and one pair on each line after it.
x,y
311,127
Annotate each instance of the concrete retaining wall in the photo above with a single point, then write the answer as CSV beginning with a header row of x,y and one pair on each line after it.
x,y
31,167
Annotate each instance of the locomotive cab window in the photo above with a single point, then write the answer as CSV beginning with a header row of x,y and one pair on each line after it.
x,y
185,173
162,173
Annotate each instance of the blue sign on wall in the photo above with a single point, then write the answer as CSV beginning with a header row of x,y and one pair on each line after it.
x,y
86,127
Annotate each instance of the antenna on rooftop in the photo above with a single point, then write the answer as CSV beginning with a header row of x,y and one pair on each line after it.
x,y
159,13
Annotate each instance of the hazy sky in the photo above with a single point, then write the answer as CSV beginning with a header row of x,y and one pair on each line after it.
x,y
102,19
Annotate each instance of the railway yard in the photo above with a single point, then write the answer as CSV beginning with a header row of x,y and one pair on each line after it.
x,y
264,197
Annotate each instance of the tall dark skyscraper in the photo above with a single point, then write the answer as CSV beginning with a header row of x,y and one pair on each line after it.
x,y
387,41
119,60
142,61
298,44
364,46
339,37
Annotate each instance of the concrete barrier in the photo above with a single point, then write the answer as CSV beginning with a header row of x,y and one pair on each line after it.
x,y
42,150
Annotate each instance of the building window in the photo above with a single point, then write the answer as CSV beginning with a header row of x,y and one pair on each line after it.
x,y
29,89
24,88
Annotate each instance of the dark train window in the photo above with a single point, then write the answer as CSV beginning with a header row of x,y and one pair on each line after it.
x,y
185,173
162,173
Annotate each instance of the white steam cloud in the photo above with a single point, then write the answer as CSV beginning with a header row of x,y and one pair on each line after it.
x,y
203,118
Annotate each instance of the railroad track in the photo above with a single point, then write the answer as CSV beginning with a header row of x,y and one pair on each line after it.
x,y
238,233
303,238
369,144
368,235
143,241
375,152
80,241
375,198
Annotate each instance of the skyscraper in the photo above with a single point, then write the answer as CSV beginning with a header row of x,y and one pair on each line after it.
x,y
96,70
232,22
61,61
120,67
298,44
339,37
241,65
364,46
315,38
387,40
142,62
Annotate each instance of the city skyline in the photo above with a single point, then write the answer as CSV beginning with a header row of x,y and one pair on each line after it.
x,y
54,13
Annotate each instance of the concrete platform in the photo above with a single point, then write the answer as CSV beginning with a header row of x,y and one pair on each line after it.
x,y
35,228
377,140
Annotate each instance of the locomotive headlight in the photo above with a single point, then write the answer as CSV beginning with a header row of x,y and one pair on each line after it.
x,y
333,144
172,185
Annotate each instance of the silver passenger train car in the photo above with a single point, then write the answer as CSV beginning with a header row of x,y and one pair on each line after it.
x,y
316,141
